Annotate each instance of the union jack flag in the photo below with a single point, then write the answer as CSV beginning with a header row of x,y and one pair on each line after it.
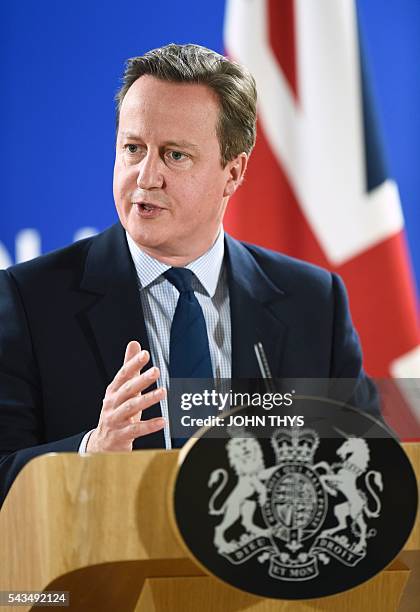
x,y
318,187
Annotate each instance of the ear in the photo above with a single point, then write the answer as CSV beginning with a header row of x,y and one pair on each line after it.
x,y
236,170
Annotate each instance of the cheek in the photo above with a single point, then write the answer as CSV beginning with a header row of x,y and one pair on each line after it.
x,y
123,180
207,190
117,177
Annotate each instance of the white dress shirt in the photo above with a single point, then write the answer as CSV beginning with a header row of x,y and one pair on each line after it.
x,y
159,299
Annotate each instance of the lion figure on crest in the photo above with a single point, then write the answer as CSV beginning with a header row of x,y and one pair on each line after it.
x,y
246,459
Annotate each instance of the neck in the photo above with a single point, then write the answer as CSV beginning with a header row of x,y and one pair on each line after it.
x,y
182,259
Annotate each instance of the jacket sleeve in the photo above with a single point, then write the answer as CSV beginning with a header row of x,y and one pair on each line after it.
x,y
22,433
349,381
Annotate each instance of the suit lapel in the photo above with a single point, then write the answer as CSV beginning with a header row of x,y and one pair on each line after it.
x,y
254,318
115,316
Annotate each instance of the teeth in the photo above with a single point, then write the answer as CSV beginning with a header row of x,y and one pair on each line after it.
x,y
146,207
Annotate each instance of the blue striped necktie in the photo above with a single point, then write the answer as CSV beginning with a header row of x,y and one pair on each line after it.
x,y
189,353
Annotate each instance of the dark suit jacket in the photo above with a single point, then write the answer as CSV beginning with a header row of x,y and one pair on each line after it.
x,y
66,318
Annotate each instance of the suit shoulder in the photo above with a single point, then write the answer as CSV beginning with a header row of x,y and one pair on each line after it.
x,y
71,257
288,272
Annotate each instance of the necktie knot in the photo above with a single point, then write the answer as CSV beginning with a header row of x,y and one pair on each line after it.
x,y
181,278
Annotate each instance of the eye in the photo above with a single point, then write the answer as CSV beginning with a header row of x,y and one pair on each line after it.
x,y
177,155
131,148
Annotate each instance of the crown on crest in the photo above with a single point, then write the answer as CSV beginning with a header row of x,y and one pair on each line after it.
x,y
295,445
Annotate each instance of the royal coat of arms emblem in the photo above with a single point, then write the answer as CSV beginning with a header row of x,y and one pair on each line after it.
x,y
292,499
296,512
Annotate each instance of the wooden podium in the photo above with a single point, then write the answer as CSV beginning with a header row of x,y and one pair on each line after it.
x,y
99,527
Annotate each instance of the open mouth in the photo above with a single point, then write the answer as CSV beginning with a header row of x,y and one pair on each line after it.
x,y
147,210
148,207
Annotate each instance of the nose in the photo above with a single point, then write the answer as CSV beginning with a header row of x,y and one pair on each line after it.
x,y
150,172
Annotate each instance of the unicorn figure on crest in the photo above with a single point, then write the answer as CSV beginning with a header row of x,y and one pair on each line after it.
x,y
343,477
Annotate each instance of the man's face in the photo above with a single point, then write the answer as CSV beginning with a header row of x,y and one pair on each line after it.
x,y
170,188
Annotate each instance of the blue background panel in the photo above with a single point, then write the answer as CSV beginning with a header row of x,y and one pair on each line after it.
x,y
61,64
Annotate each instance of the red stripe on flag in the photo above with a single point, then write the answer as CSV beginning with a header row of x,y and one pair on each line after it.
x,y
383,306
281,29
383,309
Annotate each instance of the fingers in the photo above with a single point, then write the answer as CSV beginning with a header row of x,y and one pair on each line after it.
x,y
140,428
135,405
133,348
130,368
125,399
135,385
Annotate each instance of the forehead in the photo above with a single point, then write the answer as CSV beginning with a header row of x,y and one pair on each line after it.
x,y
157,105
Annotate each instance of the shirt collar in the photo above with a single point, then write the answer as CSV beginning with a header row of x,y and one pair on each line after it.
x,y
206,268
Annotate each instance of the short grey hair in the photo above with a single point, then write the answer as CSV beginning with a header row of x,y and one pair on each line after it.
x,y
233,85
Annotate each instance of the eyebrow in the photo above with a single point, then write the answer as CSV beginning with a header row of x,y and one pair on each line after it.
x,y
182,144
128,134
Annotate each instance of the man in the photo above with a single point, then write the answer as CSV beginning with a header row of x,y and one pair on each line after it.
x,y
186,127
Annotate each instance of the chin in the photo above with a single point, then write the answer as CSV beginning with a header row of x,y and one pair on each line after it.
x,y
143,238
